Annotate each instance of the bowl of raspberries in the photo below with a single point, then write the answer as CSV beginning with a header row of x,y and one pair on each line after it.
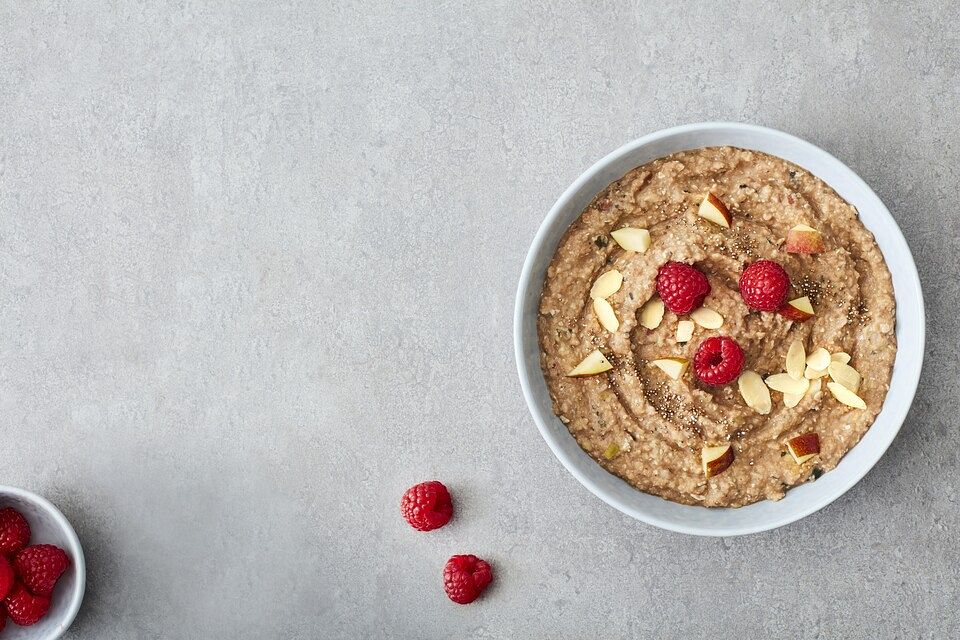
x,y
42,573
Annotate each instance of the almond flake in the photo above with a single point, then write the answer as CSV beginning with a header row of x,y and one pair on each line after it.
x,y
796,358
607,284
605,314
707,318
651,314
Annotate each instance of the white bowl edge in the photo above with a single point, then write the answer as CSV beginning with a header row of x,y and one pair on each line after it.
x,y
802,500
48,628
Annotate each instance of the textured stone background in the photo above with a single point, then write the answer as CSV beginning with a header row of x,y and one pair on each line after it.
x,y
258,263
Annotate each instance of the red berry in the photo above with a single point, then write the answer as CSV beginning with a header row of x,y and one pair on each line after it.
x,y
427,506
764,285
40,566
6,577
719,360
465,578
3,617
682,287
24,608
14,531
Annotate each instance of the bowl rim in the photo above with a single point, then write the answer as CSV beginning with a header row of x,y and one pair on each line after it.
x,y
528,285
76,554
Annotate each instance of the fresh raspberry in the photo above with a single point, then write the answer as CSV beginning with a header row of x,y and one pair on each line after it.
x,y
719,360
427,506
465,578
6,577
24,608
40,566
764,285
682,287
14,531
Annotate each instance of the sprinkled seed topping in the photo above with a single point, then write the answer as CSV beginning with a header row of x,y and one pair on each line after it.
x,y
663,399
736,245
811,288
857,313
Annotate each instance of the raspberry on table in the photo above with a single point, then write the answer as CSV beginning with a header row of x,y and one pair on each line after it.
x,y
682,287
14,531
24,608
40,566
764,285
465,577
427,506
718,360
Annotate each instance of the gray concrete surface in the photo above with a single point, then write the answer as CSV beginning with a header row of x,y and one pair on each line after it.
x,y
258,264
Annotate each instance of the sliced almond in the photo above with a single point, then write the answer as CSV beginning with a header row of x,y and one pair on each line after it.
x,y
819,359
812,374
792,399
845,375
796,358
684,331
673,367
846,396
594,363
632,239
841,356
754,392
651,314
707,318
814,387
606,315
607,284
785,383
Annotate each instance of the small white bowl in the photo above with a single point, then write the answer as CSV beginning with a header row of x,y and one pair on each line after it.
x,y
49,526
799,501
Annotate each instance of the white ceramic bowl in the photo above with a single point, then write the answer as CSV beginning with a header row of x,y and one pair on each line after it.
x,y
49,526
800,501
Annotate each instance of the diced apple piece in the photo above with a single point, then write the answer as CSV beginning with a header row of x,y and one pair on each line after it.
x,y
611,451
819,359
632,239
812,374
715,211
607,284
844,374
846,396
796,359
784,383
798,310
754,392
803,239
707,318
673,367
593,364
684,331
716,460
606,315
651,314
804,447
841,357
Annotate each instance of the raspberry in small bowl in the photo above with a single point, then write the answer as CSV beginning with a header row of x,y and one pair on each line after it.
x,y
41,547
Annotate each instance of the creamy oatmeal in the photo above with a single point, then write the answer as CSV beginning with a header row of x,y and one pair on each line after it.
x,y
634,400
